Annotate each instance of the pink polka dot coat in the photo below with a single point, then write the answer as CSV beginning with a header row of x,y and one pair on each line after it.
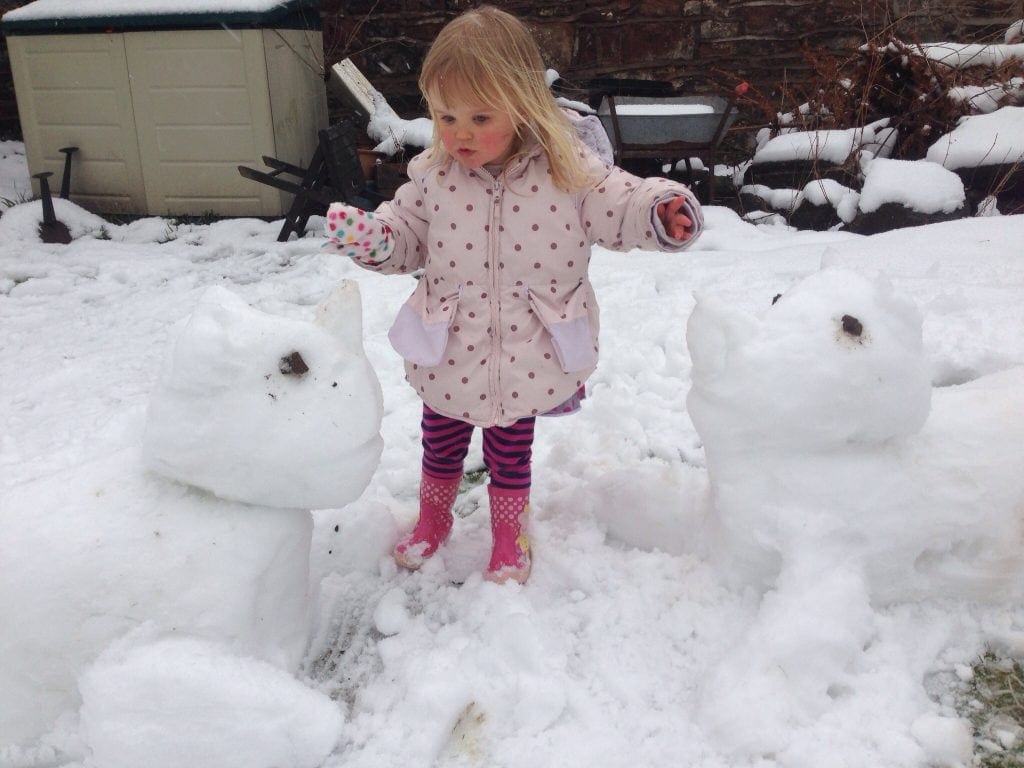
x,y
503,322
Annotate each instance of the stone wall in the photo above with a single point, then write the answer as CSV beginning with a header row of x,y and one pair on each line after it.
x,y
683,41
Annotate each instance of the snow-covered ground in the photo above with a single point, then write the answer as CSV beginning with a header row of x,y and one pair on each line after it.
x,y
804,582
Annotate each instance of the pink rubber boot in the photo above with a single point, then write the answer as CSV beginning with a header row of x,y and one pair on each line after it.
x,y
437,497
510,556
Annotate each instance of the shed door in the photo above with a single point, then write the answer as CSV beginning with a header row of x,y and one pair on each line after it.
x,y
202,108
73,90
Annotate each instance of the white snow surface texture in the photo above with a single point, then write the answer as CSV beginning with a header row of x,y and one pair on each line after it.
x,y
799,576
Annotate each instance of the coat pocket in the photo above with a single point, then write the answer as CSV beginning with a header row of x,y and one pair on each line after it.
x,y
566,318
420,331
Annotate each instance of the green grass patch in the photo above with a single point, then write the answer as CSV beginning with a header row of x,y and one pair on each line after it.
x,y
472,478
993,700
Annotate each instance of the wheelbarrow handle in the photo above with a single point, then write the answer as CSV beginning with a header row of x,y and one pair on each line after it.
x,y
49,216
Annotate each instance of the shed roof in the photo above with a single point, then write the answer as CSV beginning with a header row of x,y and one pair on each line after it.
x,y
60,16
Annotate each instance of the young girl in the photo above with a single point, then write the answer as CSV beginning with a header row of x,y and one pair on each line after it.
x,y
500,214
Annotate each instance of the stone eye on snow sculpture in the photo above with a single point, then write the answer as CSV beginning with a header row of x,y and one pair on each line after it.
x,y
293,364
852,325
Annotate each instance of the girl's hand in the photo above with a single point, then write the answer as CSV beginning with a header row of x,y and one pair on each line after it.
x,y
357,233
677,224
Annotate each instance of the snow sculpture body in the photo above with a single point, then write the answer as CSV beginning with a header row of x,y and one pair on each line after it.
x,y
823,456
815,421
268,410
280,414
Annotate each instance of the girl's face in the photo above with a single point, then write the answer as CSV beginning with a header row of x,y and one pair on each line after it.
x,y
474,134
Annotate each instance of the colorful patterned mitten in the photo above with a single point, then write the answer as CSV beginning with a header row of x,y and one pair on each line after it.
x,y
357,233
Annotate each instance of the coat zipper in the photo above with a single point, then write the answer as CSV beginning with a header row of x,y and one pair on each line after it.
x,y
492,268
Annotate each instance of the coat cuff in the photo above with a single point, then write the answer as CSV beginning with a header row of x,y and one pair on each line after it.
x,y
692,210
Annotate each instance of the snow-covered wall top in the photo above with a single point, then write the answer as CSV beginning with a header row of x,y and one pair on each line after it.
x,y
993,139
75,15
959,56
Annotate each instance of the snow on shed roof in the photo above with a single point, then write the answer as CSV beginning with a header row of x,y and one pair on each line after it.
x,y
79,15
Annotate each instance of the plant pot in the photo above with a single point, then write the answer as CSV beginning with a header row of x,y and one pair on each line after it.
x,y
368,160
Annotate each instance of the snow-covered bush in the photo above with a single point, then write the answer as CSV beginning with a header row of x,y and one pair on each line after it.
x,y
922,94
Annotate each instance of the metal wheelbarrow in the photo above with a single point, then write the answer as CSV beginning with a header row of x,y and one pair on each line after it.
x,y
670,128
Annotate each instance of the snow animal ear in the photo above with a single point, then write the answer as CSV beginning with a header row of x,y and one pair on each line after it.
x,y
341,315
715,328
209,332
830,258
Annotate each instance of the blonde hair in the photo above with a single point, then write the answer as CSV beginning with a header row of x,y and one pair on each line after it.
x,y
488,56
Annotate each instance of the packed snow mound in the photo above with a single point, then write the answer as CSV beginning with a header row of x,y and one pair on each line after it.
x,y
187,703
979,140
834,146
20,223
269,410
148,552
820,447
919,185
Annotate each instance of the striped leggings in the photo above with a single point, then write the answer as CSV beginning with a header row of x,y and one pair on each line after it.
x,y
507,450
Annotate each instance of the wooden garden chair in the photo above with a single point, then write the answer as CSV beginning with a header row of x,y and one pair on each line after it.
x,y
334,175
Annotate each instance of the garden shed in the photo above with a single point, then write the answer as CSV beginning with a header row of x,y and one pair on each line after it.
x,y
165,98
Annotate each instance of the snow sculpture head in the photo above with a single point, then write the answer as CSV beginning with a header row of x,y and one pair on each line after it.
x,y
837,360
796,409
268,410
